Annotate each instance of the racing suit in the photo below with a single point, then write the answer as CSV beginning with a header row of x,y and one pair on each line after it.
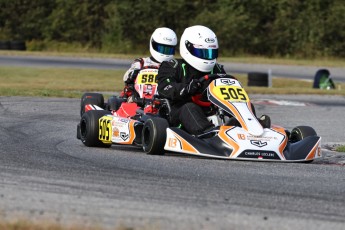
x,y
131,74
173,78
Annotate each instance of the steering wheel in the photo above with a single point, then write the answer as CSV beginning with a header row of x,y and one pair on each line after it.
x,y
201,98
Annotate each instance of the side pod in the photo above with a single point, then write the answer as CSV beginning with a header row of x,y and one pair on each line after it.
x,y
306,149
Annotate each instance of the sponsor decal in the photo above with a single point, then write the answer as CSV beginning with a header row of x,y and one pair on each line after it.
x,y
261,138
227,81
259,154
124,120
210,40
167,87
198,46
124,136
241,136
172,142
167,39
258,143
116,132
118,124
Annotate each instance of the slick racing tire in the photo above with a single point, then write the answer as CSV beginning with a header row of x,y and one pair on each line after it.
x,y
91,98
114,103
154,135
89,128
300,132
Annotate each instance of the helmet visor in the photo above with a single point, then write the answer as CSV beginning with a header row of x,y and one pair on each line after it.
x,y
207,54
163,49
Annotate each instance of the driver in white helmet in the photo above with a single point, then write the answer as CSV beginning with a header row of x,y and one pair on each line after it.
x,y
162,48
178,79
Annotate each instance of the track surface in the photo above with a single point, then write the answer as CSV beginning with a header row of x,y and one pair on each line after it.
x,y
46,173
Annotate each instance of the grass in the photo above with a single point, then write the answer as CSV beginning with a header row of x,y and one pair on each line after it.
x,y
57,82
72,83
340,148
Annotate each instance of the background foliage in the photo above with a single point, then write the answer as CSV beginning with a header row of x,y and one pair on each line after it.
x,y
280,28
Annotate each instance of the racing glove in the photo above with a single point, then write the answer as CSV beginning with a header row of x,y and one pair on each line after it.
x,y
132,76
192,88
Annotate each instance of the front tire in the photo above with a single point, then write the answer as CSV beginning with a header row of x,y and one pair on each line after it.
x,y
89,128
300,132
154,135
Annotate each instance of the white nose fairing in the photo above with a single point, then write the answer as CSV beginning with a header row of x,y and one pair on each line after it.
x,y
229,95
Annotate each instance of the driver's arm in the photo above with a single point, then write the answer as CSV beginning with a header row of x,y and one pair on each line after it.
x,y
218,68
132,72
169,83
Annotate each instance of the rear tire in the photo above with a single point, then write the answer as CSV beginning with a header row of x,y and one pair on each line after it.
x,y
300,132
89,128
154,135
114,103
91,98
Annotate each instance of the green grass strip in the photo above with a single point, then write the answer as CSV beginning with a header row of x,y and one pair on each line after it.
x,y
72,83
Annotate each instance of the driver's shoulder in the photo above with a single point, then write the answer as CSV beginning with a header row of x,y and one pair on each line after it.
x,y
174,63
218,68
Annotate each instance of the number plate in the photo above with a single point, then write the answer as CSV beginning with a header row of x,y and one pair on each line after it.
x,y
230,93
105,129
147,78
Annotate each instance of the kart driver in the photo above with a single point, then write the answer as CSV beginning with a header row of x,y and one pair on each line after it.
x,y
178,79
162,48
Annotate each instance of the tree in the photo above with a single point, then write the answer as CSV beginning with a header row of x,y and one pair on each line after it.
x,y
24,19
77,21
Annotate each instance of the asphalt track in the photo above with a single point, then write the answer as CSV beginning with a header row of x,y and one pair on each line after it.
x,y
297,72
47,174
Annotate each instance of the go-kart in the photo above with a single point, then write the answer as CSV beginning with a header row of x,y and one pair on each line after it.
x,y
238,133
144,91
119,121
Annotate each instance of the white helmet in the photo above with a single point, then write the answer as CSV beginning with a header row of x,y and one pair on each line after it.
x,y
162,44
199,47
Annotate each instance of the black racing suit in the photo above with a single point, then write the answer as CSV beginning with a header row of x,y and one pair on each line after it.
x,y
173,76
